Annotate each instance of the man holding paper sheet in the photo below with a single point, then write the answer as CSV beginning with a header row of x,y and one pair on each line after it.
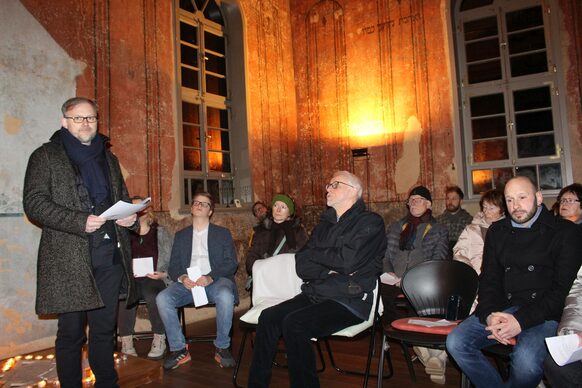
x,y
530,260
202,264
82,257
569,375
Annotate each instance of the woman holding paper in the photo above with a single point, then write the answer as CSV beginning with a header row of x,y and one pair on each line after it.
x,y
281,232
152,244
569,375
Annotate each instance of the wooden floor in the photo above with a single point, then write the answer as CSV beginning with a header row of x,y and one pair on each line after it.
x,y
203,371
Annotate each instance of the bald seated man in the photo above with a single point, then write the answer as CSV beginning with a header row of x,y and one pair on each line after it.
x,y
529,263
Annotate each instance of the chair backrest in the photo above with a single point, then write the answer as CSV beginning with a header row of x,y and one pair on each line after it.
x,y
275,278
375,312
429,285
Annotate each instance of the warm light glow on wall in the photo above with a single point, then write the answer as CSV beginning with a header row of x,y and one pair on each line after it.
x,y
368,133
367,129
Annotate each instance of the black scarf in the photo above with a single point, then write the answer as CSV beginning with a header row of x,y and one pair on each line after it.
x,y
277,231
91,162
408,234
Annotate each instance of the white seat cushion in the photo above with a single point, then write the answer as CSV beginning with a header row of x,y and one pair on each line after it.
x,y
275,277
252,316
354,330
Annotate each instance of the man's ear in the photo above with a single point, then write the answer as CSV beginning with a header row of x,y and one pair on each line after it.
x,y
64,123
539,198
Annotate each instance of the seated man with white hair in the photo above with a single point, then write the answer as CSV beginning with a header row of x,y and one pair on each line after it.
x,y
339,266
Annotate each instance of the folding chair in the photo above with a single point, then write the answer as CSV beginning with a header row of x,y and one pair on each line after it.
x,y
275,281
428,286
374,319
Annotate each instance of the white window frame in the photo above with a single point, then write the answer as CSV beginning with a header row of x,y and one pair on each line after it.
x,y
506,85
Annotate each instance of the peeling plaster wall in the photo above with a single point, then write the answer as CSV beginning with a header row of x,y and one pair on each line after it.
x,y
370,74
36,76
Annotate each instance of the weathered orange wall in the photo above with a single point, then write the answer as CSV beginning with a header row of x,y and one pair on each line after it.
x,y
271,98
127,49
324,77
366,71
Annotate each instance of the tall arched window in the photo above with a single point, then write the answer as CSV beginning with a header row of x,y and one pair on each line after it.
x,y
211,151
508,87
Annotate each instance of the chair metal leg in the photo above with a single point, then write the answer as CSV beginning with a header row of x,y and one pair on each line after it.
x,y
366,373
239,359
385,348
320,353
408,361
380,381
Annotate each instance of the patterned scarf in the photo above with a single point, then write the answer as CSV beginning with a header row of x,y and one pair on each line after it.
x,y
408,233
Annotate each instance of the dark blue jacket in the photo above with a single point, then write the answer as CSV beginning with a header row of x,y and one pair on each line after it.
x,y
221,253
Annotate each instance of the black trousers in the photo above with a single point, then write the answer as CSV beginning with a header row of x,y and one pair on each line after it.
x,y
71,330
569,375
297,320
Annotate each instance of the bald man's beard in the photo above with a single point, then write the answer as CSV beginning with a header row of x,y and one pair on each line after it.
x,y
529,214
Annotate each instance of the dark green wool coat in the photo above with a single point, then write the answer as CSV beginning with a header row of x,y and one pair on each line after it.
x,y
65,280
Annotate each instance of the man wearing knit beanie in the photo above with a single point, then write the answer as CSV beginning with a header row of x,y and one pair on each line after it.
x,y
287,201
414,239
422,191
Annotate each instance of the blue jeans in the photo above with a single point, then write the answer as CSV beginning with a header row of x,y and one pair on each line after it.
x,y
220,292
465,342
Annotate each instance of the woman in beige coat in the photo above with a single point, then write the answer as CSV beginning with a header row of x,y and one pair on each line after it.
x,y
469,247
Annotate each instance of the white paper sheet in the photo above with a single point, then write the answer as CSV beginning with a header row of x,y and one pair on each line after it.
x,y
123,209
564,348
420,322
198,293
389,279
142,266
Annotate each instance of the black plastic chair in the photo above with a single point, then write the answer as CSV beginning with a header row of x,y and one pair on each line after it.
x,y
428,287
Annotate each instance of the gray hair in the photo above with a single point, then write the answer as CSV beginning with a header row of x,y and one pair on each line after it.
x,y
353,180
72,102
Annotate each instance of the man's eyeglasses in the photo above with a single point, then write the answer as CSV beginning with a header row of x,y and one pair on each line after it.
x,y
568,201
80,119
334,185
201,204
415,201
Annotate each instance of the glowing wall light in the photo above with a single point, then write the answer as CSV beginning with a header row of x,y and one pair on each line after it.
x,y
366,133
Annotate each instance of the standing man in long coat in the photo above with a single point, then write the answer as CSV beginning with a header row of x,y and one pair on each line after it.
x,y
82,257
